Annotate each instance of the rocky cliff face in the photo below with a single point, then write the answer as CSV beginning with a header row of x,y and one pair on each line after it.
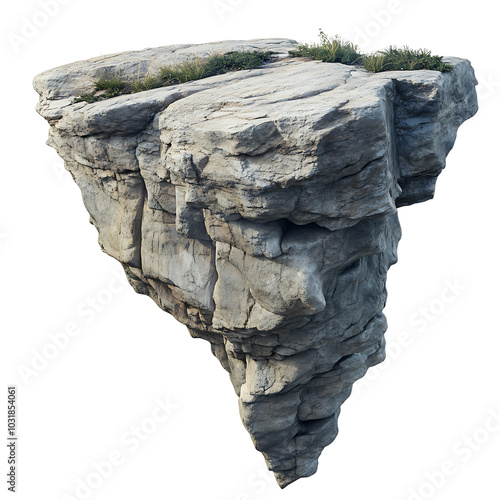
x,y
259,208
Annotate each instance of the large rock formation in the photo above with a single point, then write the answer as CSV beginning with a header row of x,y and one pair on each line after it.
x,y
259,209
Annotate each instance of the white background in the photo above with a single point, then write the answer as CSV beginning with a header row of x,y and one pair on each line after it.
x,y
405,419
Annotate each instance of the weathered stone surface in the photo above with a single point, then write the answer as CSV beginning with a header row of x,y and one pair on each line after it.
x,y
259,208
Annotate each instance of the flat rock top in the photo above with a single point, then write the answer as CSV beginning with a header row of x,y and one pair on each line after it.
x,y
288,80
77,78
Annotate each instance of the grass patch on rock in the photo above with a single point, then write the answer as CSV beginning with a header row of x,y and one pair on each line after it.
x,y
329,49
334,49
111,85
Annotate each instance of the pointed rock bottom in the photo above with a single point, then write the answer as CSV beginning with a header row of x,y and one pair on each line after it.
x,y
291,447
285,478
306,464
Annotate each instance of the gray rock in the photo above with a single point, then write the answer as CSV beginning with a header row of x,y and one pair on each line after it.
x,y
260,209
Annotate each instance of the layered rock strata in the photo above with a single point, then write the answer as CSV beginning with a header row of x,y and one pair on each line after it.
x,y
259,208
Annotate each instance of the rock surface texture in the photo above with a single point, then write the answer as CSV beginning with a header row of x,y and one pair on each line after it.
x,y
259,208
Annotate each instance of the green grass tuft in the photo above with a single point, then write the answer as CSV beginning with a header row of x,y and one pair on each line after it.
x,y
374,63
330,49
111,84
185,72
237,61
147,83
393,59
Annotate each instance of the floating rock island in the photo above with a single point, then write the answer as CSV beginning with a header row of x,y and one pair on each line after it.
x,y
259,208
